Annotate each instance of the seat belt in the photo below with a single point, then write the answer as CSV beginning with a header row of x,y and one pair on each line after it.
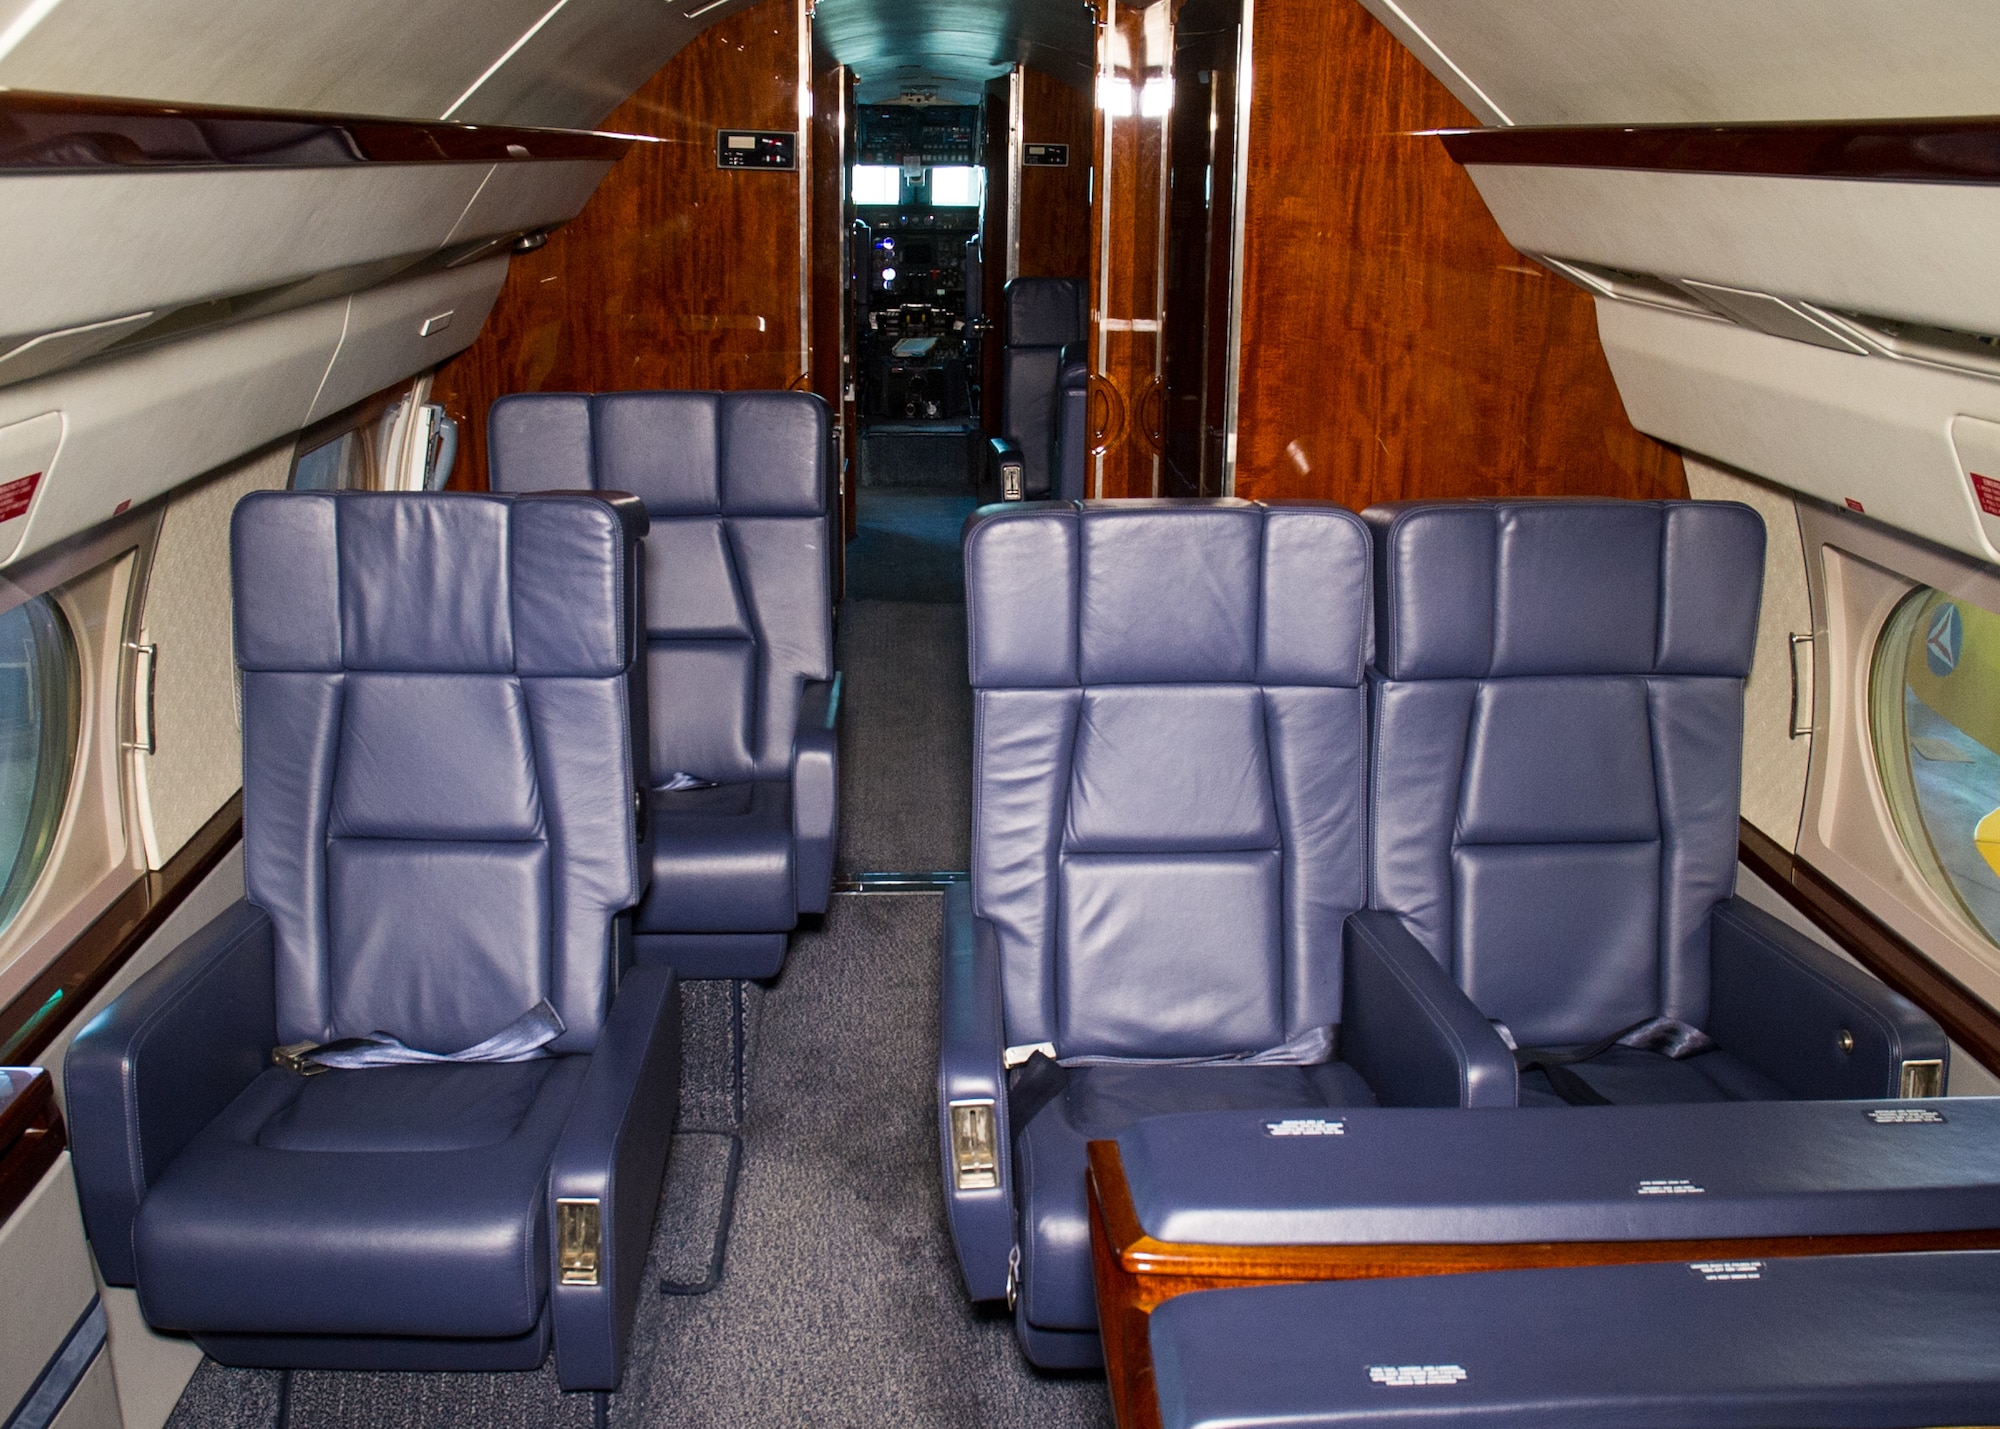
x,y
1669,1036
519,1041
1033,1085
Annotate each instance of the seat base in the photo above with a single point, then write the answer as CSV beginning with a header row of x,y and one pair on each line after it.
x,y
1632,1076
1057,1305
354,1352
713,955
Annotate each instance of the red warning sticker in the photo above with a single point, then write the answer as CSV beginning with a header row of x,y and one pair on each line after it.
x,y
1988,492
1853,505
17,496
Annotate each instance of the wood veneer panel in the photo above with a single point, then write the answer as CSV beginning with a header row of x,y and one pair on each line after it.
x,y
833,95
1135,1273
1962,151
1055,203
677,274
31,1133
1393,345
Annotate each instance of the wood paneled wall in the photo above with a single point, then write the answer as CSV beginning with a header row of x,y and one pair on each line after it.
x,y
1393,344
677,273
1055,203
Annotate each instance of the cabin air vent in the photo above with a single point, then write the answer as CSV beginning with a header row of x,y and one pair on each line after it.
x,y
1601,280
1920,342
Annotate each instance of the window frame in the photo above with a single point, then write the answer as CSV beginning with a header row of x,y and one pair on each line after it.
x,y
1859,573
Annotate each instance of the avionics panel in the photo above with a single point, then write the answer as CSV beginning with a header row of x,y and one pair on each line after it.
x,y
932,133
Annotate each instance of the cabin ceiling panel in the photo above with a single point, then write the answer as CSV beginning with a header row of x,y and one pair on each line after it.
x,y
1694,61
490,62
891,44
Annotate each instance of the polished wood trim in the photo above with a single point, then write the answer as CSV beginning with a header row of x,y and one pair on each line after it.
x,y
1055,203
1135,1273
1393,345
677,275
48,1004
1952,151
31,1133
1968,1020
55,133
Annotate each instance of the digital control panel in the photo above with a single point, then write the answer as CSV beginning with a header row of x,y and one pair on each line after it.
x,y
756,149
932,133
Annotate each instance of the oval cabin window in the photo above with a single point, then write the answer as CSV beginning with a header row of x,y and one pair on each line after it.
x,y
39,686
1935,697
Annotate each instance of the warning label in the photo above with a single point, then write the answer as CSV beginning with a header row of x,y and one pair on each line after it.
x,y
1305,1126
1905,1116
1412,1376
1987,490
1678,1186
1728,1269
17,496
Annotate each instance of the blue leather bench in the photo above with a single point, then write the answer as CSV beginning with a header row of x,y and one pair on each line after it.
x,y
1857,1342
1222,1198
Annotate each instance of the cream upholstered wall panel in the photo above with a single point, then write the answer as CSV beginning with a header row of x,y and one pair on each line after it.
x,y
1774,763
1697,61
198,761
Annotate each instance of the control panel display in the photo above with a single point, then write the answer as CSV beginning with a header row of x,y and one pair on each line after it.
x,y
756,149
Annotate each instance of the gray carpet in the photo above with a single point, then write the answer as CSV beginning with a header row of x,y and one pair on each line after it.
x,y
905,738
918,458
840,1304
905,545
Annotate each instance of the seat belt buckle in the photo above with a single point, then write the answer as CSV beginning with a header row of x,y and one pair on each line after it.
x,y
295,1057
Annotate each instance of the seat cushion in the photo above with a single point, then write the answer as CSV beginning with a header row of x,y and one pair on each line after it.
x,y
1632,1076
722,861
390,1201
1057,1292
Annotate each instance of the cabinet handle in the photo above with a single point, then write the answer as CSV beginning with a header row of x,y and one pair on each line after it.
x,y
1802,727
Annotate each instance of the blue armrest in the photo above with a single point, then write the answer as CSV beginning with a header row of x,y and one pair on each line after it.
x,y
1006,469
1785,1005
1410,1031
970,1070
614,1151
816,793
160,1063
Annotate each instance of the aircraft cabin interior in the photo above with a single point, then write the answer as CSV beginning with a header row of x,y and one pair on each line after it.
x,y
1036,714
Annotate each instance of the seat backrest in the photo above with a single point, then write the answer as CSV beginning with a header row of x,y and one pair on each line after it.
x,y
1043,314
739,610
1071,452
1558,714
1169,768
438,768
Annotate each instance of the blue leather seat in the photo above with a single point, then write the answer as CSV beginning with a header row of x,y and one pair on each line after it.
x,y
1558,731
1169,833
739,648
439,846
1864,1342
1043,317
1070,479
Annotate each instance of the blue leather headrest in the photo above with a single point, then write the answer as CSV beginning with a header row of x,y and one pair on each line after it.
x,y
1166,592
446,584
1468,590
1044,312
681,453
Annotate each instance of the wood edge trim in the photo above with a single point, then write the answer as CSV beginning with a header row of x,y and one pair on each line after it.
x,y
32,1136
111,940
1110,1190
374,138
1123,1309
1887,954
1879,150
1217,1264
